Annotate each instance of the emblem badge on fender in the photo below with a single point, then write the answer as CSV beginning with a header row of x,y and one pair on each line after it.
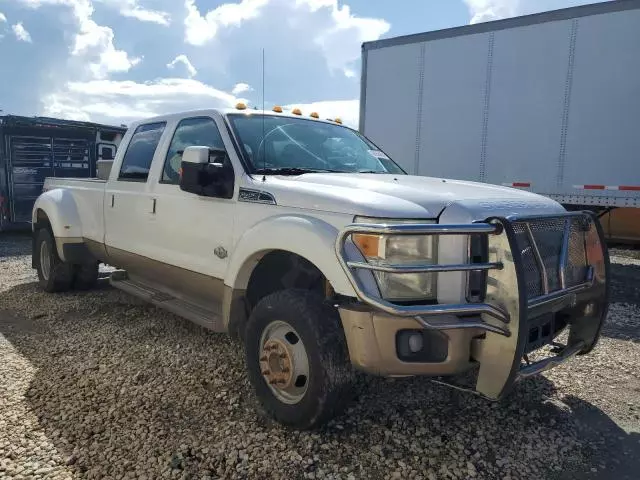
x,y
220,252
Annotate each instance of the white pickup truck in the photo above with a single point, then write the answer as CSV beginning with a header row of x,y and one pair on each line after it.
x,y
301,238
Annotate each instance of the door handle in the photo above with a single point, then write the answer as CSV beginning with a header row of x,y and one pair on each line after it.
x,y
153,208
113,200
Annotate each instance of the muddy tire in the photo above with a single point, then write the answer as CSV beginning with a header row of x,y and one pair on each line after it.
x,y
54,275
86,276
297,359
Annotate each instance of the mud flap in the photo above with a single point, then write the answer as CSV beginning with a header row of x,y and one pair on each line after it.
x,y
584,309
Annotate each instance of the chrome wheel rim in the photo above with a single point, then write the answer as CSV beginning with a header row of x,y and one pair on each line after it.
x,y
45,260
284,363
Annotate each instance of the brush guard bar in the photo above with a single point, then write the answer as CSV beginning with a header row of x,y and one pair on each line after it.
x,y
525,285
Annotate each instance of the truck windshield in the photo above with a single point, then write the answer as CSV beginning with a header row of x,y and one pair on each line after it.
x,y
286,145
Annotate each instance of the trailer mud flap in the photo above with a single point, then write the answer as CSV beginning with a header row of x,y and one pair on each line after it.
x,y
581,307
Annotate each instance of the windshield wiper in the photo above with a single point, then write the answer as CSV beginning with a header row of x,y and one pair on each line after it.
x,y
292,171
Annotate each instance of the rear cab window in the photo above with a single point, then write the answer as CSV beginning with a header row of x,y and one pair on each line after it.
x,y
140,151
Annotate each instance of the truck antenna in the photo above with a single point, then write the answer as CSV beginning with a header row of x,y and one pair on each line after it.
x,y
264,158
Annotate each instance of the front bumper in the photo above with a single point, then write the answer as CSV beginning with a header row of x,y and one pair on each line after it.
x,y
531,296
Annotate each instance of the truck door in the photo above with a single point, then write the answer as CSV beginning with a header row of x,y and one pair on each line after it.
x,y
191,231
127,202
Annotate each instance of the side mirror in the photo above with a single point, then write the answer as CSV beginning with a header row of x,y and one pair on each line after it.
x,y
207,172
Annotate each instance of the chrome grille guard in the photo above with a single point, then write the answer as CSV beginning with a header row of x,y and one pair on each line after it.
x,y
513,299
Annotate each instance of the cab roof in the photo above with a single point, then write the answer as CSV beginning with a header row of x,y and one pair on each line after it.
x,y
228,111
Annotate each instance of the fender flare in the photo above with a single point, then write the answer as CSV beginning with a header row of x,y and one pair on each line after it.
x,y
308,237
62,212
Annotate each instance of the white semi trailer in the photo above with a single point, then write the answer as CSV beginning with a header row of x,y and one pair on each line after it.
x,y
549,103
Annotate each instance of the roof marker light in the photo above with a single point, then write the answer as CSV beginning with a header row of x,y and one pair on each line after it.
x,y
241,106
296,111
338,120
277,109
314,115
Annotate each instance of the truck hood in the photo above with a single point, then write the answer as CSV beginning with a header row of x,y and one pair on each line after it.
x,y
401,196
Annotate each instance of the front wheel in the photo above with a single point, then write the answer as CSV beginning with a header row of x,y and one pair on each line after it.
x,y
54,275
297,358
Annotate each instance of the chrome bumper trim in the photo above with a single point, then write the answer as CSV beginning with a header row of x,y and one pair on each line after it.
x,y
426,268
558,296
459,324
419,229
548,363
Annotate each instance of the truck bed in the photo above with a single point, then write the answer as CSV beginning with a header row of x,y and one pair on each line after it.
x,y
88,197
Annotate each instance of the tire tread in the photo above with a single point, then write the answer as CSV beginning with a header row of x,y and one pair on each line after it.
x,y
323,322
61,274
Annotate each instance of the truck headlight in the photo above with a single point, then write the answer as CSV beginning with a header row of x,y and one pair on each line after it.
x,y
400,250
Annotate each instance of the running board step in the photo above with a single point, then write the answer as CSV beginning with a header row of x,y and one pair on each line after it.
x,y
205,317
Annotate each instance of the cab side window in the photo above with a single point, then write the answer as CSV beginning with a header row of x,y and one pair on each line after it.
x,y
137,159
200,131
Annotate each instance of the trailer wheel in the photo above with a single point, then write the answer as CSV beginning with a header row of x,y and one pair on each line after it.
x,y
86,275
54,275
297,358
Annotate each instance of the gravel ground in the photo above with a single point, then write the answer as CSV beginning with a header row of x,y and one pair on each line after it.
x,y
99,385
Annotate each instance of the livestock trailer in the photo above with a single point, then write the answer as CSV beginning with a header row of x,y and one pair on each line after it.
x,y
548,103
33,148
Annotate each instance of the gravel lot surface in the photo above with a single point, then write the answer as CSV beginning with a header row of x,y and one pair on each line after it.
x,y
99,385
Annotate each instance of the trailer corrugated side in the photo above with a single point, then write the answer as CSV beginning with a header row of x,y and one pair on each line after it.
x,y
547,102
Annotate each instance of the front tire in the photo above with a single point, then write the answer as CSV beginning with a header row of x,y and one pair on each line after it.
x,y
54,275
297,358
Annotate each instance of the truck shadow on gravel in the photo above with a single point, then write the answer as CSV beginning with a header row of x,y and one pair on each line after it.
x,y
123,387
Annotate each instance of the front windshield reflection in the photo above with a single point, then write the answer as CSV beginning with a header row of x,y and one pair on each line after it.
x,y
286,143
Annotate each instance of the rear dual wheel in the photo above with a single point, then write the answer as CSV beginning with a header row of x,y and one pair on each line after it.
x,y
297,358
55,275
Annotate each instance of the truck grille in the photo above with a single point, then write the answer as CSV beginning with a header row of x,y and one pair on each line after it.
x,y
541,242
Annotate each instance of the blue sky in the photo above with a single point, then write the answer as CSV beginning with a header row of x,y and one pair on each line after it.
x,y
115,61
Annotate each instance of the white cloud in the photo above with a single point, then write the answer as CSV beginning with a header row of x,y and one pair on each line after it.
x,y
487,10
184,60
349,73
21,33
201,29
241,88
93,43
342,40
332,28
347,110
114,101
96,41
306,43
3,18
132,8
